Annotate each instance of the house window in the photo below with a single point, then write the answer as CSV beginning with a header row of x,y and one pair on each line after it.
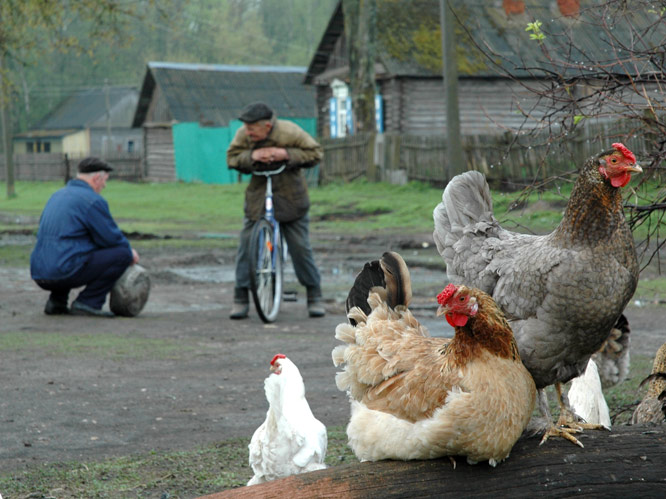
x,y
38,146
340,111
130,146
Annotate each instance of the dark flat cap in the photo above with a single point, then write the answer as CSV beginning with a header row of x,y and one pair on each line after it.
x,y
255,112
91,165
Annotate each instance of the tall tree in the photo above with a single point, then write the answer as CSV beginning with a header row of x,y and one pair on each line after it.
x,y
621,83
361,34
6,138
29,25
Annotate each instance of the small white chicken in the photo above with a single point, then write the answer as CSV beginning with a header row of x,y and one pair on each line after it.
x,y
586,397
291,440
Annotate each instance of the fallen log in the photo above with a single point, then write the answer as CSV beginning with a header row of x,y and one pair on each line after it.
x,y
630,461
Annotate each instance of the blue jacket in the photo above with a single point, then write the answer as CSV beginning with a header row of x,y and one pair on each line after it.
x,y
75,221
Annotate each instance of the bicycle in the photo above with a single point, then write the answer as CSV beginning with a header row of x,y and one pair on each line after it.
x,y
267,255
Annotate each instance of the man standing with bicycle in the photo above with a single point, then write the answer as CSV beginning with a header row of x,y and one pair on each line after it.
x,y
266,143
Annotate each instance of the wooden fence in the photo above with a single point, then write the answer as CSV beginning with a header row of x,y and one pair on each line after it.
x,y
507,160
62,166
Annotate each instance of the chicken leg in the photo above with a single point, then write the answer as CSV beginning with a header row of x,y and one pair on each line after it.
x,y
566,424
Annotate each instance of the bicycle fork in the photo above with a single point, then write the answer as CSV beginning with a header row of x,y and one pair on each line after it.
x,y
270,216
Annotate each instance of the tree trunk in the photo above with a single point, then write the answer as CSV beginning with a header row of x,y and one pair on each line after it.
x,y
454,149
6,124
630,461
360,31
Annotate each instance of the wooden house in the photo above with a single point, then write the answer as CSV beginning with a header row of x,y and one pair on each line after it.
x,y
95,121
408,68
188,113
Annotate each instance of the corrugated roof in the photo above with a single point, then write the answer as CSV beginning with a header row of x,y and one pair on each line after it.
x,y
214,94
88,109
409,42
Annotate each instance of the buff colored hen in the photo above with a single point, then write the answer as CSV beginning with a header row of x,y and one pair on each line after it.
x,y
418,397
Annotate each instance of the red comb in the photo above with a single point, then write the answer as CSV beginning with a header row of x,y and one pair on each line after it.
x,y
446,294
625,152
278,356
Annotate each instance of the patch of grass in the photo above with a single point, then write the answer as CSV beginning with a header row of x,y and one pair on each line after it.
x,y
153,208
15,255
101,345
623,398
650,289
204,470
359,207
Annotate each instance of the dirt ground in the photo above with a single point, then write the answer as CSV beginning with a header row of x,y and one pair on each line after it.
x,y
182,374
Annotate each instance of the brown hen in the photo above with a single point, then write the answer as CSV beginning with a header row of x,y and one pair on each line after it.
x,y
418,397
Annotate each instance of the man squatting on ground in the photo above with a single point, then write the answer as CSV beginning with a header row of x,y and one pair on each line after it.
x,y
79,244
266,143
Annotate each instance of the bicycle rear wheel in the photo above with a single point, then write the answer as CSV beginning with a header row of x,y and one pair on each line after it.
x,y
265,271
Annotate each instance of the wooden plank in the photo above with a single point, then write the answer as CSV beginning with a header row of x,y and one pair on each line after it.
x,y
630,461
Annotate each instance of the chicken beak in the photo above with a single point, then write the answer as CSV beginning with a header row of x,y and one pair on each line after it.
x,y
276,368
441,310
635,168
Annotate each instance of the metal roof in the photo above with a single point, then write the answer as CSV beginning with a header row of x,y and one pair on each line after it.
x,y
409,42
214,94
88,109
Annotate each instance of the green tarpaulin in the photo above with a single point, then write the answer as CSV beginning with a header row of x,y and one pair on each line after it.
x,y
201,152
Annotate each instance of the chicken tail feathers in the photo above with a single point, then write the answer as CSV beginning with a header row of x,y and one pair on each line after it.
x,y
389,277
398,281
466,200
369,277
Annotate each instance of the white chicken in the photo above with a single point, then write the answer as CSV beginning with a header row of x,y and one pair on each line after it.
x,y
586,397
291,440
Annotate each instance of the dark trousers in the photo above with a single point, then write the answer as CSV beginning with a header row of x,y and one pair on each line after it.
x,y
98,275
297,236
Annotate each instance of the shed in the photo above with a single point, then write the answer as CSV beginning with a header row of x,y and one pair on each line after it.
x,y
408,68
94,121
189,112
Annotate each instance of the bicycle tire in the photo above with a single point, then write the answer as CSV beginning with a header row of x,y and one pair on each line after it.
x,y
265,271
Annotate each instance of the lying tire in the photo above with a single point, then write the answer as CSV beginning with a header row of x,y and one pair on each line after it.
x,y
130,292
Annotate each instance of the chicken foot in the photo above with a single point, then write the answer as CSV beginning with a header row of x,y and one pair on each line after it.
x,y
565,427
569,418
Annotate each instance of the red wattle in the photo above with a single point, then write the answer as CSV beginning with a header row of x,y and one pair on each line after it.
x,y
456,319
621,180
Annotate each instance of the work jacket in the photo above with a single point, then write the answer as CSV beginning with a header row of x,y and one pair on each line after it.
x,y
75,221
290,192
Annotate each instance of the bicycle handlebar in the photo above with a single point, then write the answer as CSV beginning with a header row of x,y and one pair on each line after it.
x,y
268,173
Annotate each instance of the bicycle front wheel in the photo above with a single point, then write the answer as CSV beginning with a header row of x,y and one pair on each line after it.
x,y
265,271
